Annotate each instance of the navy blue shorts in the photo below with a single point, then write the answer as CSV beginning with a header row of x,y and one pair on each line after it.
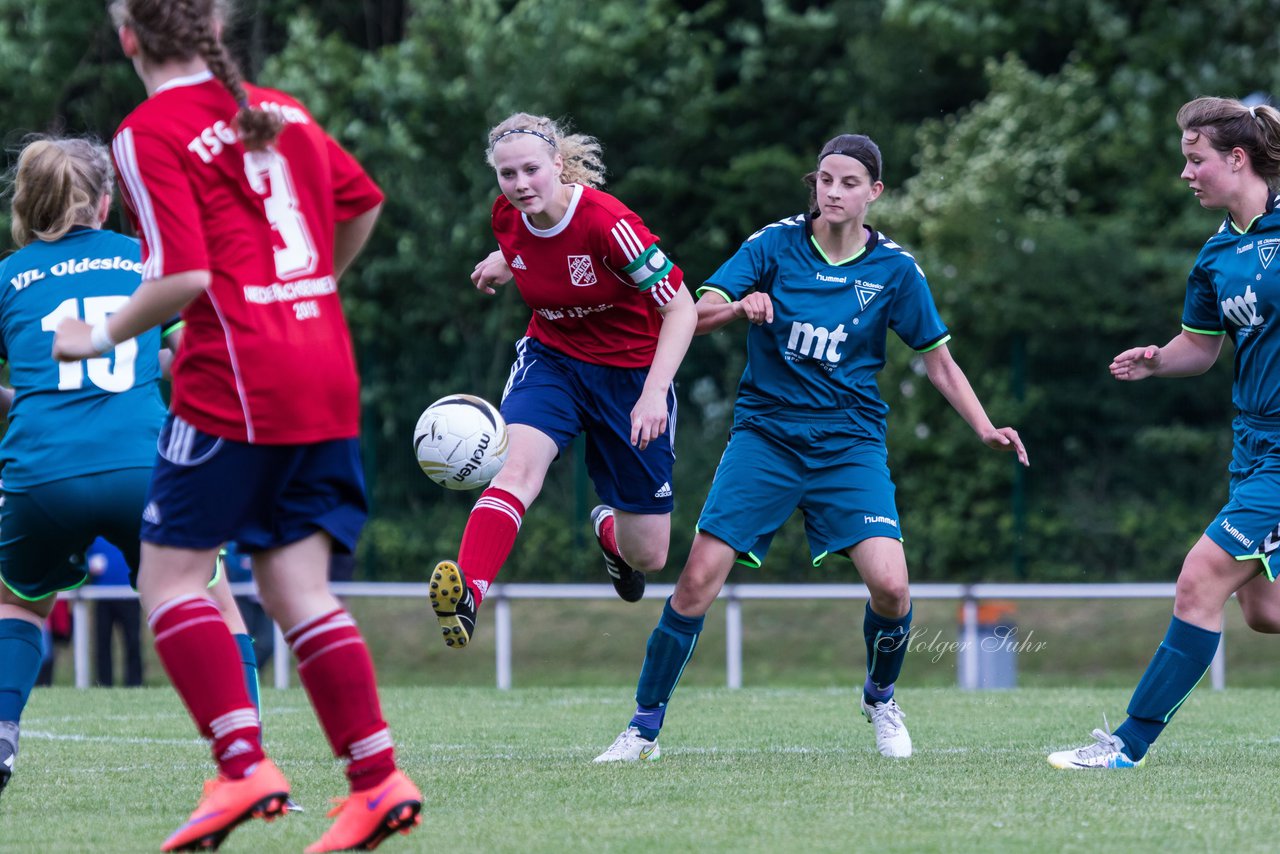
x,y
776,463
206,491
45,529
562,396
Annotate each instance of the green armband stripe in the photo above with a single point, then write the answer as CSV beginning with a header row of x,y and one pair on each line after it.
x,y
936,344
1203,331
713,289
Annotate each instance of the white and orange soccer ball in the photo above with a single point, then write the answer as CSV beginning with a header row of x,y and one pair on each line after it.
x,y
460,441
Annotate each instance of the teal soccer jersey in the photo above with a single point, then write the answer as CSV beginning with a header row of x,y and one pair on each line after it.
x,y
827,340
108,409
1234,289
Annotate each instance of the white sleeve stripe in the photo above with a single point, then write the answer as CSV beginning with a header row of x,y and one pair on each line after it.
x,y
627,239
127,162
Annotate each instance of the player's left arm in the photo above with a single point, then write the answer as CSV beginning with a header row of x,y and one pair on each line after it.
x,y
649,415
949,379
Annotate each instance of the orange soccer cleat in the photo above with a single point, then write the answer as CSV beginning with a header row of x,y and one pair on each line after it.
x,y
226,803
366,818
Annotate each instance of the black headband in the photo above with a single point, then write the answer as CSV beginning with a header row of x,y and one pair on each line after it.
x,y
861,155
506,133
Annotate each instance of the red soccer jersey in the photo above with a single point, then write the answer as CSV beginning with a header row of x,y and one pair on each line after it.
x,y
594,281
266,356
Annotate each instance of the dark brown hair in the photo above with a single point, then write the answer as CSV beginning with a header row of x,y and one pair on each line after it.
x,y
1228,123
856,145
183,29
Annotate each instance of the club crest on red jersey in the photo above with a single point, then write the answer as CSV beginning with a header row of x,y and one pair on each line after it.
x,y
581,271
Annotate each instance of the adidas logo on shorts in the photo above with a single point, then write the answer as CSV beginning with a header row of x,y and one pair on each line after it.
x,y
664,491
518,264
151,515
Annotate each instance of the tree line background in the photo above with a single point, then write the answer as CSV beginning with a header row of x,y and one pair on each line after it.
x,y
1031,164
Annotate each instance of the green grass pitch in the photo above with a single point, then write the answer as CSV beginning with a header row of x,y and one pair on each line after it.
x,y
752,770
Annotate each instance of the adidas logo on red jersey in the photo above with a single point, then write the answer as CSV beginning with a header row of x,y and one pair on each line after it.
x,y
518,264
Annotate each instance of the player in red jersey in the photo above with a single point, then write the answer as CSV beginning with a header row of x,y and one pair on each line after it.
x,y
611,322
249,213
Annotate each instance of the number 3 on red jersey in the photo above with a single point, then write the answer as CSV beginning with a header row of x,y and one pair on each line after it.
x,y
269,176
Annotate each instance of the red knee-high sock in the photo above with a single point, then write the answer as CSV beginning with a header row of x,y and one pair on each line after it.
x,y
490,534
200,656
335,668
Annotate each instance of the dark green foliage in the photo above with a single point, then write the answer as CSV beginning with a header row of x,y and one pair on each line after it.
x,y
1031,160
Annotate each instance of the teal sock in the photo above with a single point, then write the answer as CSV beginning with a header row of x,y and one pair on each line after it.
x,y
886,639
21,651
249,660
670,647
1178,665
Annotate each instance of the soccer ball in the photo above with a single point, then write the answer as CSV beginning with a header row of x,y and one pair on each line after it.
x,y
460,441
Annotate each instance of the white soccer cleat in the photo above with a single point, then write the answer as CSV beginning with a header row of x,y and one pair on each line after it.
x,y
892,738
1107,751
631,746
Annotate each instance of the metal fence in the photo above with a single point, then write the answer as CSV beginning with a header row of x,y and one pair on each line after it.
x,y
501,598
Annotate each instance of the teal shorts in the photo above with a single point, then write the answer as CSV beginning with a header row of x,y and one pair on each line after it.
x,y
45,529
826,467
1248,525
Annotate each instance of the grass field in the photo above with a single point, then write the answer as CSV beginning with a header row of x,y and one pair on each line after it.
x,y
754,770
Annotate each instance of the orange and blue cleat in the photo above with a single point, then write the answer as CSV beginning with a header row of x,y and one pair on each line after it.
x,y
366,818
227,803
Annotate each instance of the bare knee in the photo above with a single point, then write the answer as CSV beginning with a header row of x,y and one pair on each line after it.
x,y
1261,616
891,598
649,558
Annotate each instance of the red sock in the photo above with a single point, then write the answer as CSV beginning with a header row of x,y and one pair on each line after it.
x,y
490,534
203,663
608,537
335,668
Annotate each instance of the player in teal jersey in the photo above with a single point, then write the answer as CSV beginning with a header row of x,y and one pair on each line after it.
x,y
821,290
1232,156
81,438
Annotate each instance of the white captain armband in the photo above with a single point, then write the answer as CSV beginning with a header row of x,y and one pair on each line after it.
x,y
650,268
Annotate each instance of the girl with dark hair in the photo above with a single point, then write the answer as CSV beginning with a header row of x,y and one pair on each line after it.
x,y
1232,154
249,214
821,291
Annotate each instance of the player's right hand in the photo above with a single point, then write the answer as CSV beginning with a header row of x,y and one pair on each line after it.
x,y
756,307
491,272
71,341
1137,363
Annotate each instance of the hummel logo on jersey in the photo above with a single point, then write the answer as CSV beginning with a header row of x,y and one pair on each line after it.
x,y
581,272
866,291
1267,250
518,264
1242,311
816,342
151,515
664,491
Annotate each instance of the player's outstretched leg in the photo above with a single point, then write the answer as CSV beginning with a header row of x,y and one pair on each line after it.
x,y
1178,665
628,582
454,604
670,647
